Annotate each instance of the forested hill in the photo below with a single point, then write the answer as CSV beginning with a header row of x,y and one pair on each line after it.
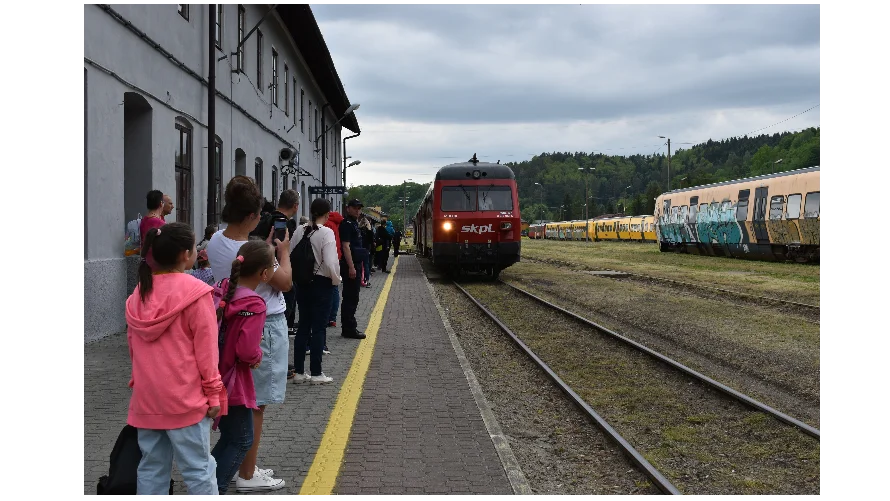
x,y
625,184
631,184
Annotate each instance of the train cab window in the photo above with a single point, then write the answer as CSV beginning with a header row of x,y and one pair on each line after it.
x,y
792,209
775,207
811,207
458,198
495,198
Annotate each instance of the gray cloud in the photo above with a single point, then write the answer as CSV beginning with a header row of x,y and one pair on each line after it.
x,y
447,69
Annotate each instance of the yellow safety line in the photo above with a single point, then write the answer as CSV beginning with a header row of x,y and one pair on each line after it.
x,y
326,466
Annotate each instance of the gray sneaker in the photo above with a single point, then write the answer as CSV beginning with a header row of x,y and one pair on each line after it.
x,y
301,378
320,379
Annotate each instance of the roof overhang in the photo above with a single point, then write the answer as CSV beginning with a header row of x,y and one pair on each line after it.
x,y
303,28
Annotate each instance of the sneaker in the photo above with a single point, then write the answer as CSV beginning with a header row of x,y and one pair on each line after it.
x,y
258,483
332,324
326,351
291,331
368,285
308,352
320,379
300,379
256,471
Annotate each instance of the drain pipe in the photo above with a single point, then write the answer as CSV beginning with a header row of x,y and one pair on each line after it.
x,y
344,155
211,120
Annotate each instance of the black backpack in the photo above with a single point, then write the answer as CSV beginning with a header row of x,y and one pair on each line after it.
x,y
125,457
302,260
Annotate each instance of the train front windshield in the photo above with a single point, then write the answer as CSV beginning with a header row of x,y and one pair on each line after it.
x,y
495,198
468,198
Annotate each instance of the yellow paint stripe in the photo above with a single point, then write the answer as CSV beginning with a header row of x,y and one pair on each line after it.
x,y
329,458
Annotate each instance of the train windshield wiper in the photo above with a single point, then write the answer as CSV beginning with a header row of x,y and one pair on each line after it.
x,y
465,193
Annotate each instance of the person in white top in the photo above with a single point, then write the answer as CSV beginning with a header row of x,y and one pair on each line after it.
x,y
314,299
242,214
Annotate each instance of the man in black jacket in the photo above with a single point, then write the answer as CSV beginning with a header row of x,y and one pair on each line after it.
x,y
396,242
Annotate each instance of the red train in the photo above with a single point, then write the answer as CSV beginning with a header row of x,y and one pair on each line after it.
x,y
469,219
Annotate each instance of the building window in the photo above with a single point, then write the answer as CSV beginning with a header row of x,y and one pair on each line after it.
x,y
184,11
302,98
258,173
274,77
183,172
219,26
217,181
286,91
259,60
295,100
275,184
310,119
316,121
242,17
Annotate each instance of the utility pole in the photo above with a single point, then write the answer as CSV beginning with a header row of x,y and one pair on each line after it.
x,y
669,161
211,120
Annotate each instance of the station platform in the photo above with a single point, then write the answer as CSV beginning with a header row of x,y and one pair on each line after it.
x,y
404,414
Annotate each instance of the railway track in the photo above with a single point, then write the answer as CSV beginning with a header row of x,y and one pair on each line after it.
x,y
658,479
806,308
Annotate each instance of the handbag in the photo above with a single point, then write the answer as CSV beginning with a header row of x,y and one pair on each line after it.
x,y
124,462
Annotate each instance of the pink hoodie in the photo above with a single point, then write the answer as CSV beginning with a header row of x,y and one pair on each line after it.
x,y
245,317
175,353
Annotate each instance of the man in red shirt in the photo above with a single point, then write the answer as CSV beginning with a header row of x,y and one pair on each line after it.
x,y
334,220
158,205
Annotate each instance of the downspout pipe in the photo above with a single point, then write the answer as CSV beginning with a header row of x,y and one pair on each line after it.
x,y
344,155
211,119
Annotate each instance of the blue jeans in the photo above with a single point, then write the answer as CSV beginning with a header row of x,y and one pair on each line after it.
x,y
367,263
335,303
314,303
290,301
235,439
189,446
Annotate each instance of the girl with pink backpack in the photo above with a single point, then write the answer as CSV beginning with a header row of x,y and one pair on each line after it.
x,y
241,314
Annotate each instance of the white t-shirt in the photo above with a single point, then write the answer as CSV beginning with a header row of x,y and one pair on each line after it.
x,y
222,249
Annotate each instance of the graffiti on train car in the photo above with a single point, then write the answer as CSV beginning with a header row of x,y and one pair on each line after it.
x,y
715,223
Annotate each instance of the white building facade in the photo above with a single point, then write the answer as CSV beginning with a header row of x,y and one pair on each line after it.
x,y
146,126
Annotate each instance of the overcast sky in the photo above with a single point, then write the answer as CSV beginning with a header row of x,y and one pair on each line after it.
x,y
437,83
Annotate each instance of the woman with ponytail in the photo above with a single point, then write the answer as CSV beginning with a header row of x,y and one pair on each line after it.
x,y
242,214
177,388
243,315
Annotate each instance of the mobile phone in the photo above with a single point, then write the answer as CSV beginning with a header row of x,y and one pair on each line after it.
x,y
280,229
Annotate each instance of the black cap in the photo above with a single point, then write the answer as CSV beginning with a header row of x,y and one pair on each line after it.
x,y
355,203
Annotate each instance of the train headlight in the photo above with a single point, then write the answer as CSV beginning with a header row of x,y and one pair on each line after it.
x,y
476,174
446,226
506,226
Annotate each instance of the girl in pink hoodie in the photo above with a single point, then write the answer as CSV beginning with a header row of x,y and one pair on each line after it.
x,y
243,315
177,388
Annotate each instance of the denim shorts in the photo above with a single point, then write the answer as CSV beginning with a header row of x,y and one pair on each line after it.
x,y
270,378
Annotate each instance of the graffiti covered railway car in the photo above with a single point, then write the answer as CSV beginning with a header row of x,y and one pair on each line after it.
x,y
773,217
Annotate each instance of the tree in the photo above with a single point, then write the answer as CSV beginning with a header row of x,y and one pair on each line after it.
x,y
534,212
568,212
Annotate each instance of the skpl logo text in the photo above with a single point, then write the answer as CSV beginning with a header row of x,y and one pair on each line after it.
x,y
472,228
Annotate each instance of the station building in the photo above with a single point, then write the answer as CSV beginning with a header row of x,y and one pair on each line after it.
x,y
146,125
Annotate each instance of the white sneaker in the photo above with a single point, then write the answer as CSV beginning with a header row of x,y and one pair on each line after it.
x,y
257,471
326,351
259,483
301,378
320,379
